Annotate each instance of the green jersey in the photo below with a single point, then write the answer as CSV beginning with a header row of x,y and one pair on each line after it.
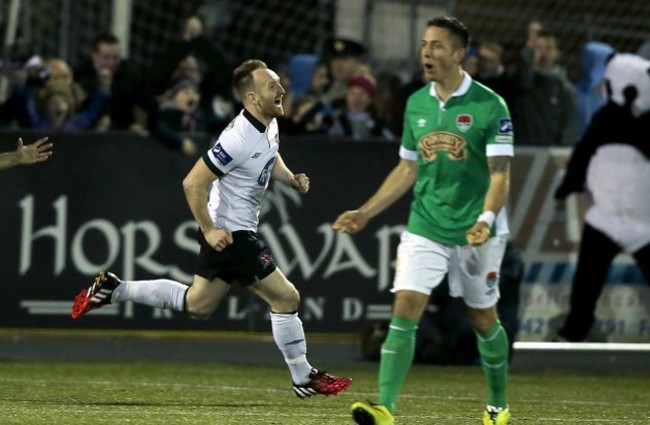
x,y
451,143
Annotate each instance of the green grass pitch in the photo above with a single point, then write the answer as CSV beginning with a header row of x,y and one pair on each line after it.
x,y
34,393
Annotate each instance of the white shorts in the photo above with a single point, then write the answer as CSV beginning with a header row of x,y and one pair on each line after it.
x,y
473,271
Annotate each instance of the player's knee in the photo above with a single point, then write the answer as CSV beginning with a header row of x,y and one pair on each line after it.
x,y
481,323
288,301
198,312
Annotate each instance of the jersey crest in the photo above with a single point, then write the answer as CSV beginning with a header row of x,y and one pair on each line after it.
x,y
464,122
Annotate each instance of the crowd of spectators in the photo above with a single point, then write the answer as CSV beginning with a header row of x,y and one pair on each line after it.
x,y
336,94
186,93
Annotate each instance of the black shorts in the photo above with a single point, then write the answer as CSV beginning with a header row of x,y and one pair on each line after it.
x,y
245,261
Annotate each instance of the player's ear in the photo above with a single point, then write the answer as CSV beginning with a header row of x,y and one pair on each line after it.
x,y
253,98
459,55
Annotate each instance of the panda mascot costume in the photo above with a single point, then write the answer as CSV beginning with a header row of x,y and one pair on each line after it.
x,y
612,162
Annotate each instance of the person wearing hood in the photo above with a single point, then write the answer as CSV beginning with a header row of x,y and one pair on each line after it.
x,y
590,87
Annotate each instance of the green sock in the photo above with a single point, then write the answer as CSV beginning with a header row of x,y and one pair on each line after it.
x,y
396,359
493,347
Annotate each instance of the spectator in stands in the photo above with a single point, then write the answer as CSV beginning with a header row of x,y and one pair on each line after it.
x,y
176,117
55,108
38,151
402,94
57,105
197,57
15,110
543,104
50,99
312,112
60,71
470,61
590,87
383,101
127,107
345,60
356,120
491,71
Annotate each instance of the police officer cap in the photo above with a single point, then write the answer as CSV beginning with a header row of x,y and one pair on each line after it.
x,y
343,47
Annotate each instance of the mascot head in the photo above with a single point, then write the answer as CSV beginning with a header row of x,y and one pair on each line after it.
x,y
628,82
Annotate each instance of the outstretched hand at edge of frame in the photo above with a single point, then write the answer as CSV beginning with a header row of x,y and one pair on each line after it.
x,y
38,151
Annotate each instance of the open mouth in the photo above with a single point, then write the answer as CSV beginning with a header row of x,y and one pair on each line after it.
x,y
278,101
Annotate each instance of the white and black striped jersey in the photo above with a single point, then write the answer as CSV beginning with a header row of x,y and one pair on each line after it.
x,y
242,157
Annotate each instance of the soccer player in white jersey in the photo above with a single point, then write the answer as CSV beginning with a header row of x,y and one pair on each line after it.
x,y
238,167
456,147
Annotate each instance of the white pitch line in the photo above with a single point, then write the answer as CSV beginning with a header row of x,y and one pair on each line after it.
x,y
582,346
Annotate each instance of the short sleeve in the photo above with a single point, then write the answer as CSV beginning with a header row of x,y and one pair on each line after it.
x,y
408,141
408,149
500,134
225,155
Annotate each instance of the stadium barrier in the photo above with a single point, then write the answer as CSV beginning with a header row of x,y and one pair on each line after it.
x,y
115,201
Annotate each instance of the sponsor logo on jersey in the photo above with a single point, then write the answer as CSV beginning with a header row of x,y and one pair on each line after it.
x,y
422,122
431,143
266,173
277,138
256,155
505,126
492,279
221,155
464,122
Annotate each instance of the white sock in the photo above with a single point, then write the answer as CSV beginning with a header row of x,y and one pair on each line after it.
x,y
289,336
163,293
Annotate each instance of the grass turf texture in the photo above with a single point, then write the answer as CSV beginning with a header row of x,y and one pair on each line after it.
x,y
214,393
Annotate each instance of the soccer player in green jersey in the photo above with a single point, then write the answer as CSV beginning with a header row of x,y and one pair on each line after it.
x,y
456,149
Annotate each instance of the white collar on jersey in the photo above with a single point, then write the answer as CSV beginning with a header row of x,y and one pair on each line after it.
x,y
461,90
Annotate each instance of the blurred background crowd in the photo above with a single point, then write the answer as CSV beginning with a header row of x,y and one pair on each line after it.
x,y
162,68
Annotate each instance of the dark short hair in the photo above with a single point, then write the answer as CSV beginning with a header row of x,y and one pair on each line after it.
x,y
242,77
457,29
104,38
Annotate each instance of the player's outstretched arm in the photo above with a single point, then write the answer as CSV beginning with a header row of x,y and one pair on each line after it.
x,y
38,151
400,179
